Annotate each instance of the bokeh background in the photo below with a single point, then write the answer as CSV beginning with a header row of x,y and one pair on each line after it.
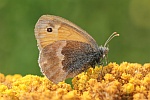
x,y
100,18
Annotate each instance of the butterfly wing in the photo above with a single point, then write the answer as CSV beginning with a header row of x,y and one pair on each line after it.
x,y
51,28
65,59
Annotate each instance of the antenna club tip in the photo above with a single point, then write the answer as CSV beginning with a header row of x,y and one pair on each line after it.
x,y
116,34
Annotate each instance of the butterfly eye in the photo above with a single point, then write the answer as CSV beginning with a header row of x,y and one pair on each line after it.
x,y
49,30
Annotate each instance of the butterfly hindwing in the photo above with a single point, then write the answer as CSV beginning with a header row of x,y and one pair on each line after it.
x,y
65,59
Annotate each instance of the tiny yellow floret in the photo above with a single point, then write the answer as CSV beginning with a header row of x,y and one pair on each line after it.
x,y
127,81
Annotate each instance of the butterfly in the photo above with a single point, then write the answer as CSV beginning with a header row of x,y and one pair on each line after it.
x,y
65,50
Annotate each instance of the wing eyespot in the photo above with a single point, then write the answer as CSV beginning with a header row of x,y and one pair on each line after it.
x,y
49,29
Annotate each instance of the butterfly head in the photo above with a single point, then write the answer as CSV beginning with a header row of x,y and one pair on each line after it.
x,y
104,49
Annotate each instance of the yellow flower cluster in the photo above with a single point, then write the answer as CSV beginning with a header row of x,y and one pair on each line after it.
x,y
127,81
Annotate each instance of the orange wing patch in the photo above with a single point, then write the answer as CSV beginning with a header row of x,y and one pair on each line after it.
x,y
68,33
61,29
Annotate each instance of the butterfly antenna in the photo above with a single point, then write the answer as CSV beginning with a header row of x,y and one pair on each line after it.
x,y
114,34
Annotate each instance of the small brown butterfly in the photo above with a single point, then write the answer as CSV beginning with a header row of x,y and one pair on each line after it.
x,y
65,49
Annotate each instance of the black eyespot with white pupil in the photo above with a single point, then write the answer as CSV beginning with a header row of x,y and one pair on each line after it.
x,y
49,30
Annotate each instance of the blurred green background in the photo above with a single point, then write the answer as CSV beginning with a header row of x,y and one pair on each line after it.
x,y
100,18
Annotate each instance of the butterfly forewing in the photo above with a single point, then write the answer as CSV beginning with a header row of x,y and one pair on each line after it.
x,y
62,29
